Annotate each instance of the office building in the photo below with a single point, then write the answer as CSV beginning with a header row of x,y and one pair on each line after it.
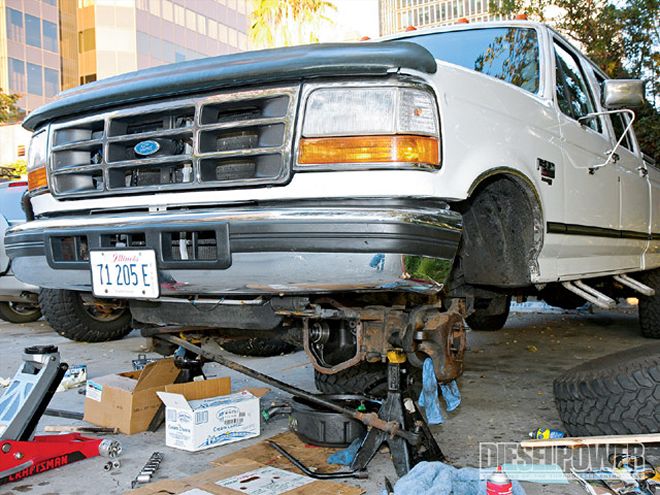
x,y
397,15
49,45
29,50
102,38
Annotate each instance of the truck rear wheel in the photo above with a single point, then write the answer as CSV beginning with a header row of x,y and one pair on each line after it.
x,y
649,307
83,318
15,312
484,319
613,395
369,379
258,347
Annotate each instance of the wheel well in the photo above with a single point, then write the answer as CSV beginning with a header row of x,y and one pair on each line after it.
x,y
502,233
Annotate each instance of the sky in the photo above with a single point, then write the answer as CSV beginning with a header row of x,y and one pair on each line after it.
x,y
352,20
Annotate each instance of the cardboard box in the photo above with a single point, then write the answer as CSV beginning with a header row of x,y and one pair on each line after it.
x,y
224,480
128,401
201,415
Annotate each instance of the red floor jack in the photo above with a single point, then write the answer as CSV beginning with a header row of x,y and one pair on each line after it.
x,y
21,406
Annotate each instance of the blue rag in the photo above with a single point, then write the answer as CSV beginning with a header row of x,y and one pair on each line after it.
x,y
441,479
428,399
451,395
345,456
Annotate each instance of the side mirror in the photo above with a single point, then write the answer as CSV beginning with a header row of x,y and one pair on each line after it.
x,y
618,93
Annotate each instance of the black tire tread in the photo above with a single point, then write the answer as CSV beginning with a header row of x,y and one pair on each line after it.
x,y
613,395
649,307
363,379
483,322
258,347
64,313
9,315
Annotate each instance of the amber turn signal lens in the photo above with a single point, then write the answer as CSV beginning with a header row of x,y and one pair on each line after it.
x,y
37,179
369,149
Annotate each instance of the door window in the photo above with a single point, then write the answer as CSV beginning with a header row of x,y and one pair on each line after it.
x,y
573,95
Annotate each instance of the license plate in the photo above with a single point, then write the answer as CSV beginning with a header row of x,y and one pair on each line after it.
x,y
124,273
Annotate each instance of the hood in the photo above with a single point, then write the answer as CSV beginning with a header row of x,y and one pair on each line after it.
x,y
236,70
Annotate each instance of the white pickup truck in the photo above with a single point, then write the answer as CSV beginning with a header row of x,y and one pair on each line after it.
x,y
349,197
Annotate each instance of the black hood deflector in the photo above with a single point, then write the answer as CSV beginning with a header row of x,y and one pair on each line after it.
x,y
237,70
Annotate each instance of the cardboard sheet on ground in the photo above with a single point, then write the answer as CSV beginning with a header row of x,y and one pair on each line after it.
x,y
309,455
248,477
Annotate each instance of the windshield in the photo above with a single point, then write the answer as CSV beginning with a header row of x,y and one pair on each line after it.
x,y
509,54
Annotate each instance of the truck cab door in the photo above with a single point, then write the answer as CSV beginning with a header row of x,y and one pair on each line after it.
x,y
635,193
591,196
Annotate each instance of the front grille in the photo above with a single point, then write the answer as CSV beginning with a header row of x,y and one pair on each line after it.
x,y
235,139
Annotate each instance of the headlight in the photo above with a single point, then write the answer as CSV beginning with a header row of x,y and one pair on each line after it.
x,y
37,158
380,125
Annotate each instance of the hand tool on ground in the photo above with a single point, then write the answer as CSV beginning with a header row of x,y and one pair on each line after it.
x,y
80,429
21,406
390,425
147,472
360,474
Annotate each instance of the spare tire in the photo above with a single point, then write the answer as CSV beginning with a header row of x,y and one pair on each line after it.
x,y
613,395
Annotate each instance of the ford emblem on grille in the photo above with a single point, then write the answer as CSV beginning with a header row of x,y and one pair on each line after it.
x,y
146,148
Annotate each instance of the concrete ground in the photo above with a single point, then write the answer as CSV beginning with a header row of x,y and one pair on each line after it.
x,y
506,388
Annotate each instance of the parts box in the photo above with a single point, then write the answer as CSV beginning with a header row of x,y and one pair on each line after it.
x,y
201,415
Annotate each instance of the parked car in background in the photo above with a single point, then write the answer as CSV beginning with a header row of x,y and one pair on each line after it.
x,y
69,313
18,301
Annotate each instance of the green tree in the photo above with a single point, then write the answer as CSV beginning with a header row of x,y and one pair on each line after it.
x,y
622,37
287,22
9,111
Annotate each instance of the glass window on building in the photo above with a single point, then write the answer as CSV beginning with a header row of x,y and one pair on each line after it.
x,y
168,11
508,54
179,15
201,24
50,36
222,33
16,76
51,82
50,2
233,37
15,30
154,7
87,40
191,20
32,30
34,79
213,29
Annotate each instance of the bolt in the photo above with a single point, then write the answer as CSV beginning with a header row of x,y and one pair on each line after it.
x,y
18,455
107,466
6,447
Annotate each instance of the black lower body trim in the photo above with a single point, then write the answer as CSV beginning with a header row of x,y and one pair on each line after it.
x,y
586,230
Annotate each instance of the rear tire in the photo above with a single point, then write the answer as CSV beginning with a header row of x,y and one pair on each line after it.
x,y
649,307
66,312
613,395
485,321
369,379
19,312
258,347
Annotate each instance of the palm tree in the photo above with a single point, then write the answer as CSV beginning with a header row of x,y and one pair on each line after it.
x,y
287,22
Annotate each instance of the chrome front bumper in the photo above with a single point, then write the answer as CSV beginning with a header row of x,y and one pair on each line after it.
x,y
280,250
